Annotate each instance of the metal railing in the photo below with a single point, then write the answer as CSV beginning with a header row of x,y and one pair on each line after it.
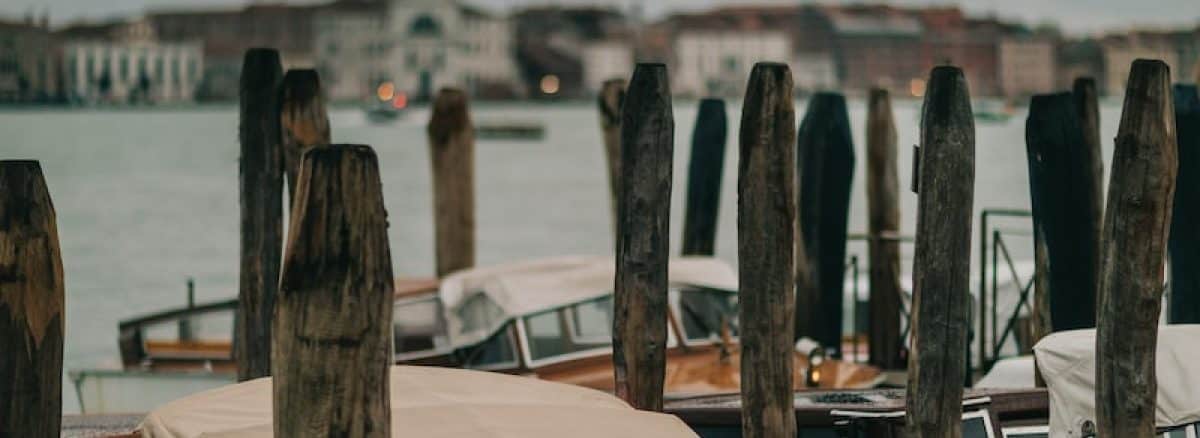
x,y
998,248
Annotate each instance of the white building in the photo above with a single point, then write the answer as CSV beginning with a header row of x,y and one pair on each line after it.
x,y
420,46
814,71
1027,67
1119,55
604,60
132,66
718,63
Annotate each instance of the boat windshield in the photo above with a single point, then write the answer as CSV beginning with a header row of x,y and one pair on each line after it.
x,y
587,326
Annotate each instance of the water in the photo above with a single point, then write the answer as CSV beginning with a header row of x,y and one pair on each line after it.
x,y
146,198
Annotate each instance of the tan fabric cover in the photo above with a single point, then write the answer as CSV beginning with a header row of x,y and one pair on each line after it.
x,y
433,403
1067,361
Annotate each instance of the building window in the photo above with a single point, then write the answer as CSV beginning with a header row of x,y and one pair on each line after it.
x,y
412,59
425,26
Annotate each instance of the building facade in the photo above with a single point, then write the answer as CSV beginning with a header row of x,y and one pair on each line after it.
x,y
1121,50
131,65
1027,66
570,51
719,63
29,63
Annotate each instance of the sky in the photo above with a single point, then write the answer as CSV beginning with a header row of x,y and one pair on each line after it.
x,y
1077,17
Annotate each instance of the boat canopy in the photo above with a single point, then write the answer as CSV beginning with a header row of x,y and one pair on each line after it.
x,y
478,302
1067,361
435,403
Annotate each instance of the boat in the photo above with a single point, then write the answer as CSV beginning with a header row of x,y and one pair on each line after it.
x,y
548,318
991,112
482,405
509,130
389,105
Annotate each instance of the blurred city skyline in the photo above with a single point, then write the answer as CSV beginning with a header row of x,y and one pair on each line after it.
x,y
1078,17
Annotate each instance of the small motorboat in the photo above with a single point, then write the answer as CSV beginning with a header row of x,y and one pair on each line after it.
x,y
509,130
389,106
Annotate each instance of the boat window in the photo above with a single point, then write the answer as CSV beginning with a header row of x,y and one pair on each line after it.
x,y
547,336
418,326
703,312
499,351
592,321
199,335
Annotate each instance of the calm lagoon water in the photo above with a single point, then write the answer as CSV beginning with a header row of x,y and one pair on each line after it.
x,y
147,198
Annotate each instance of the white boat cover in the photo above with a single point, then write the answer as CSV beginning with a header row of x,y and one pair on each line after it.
x,y
1013,372
519,289
433,403
1067,361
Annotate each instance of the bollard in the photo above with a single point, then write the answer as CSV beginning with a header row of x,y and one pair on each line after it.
x,y
1136,221
452,149
261,186
825,160
303,120
706,166
644,213
31,305
609,102
883,205
941,264
766,252
332,335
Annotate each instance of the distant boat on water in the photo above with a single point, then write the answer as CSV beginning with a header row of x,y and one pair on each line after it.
x,y
389,106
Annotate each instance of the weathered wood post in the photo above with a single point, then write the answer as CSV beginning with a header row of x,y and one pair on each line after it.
x,y
261,187
825,160
612,96
452,149
883,205
643,228
31,305
1184,242
333,325
941,264
704,179
1063,192
1136,221
1087,107
766,229
303,120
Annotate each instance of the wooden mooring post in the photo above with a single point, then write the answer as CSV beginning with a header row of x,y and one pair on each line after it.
x,y
1063,191
883,205
825,160
766,253
941,264
609,102
261,190
1136,221
1184,244
643,228
452,151
333,326
705,169
303,120
31,305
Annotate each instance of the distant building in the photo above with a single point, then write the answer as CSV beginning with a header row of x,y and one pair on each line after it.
x,y
719,63
571,51
874,46
1078,58
353,56
125,62
226,34
1121,50
1027,66
29,62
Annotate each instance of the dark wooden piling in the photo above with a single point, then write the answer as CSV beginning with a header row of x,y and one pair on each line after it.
x,y
333,325
261,190
766,229
1087,107
883,205
1063,191
452,149
1184,244
704,179
31,305
612,96
825,160
1136,221
941,264
644,214
303,120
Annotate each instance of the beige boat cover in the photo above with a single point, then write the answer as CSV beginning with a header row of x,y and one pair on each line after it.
x,y
519,289
432,403
1067,361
